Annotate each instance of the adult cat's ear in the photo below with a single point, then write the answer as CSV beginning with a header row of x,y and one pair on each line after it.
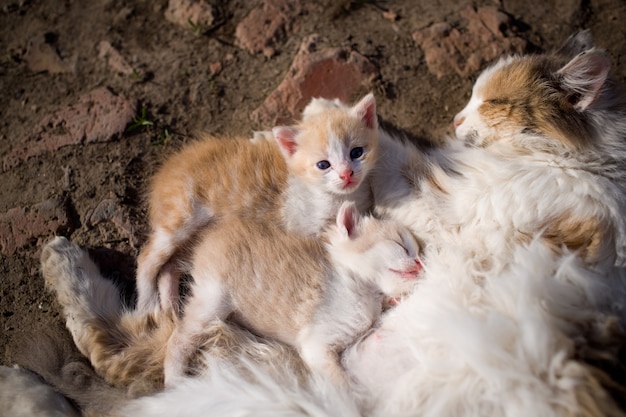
x,y
349,219
584,76
366,111
286,138
578,42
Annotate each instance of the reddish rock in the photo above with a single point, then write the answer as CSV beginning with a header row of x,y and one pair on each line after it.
x,y
114,59
487,35
316,71
22,226
97,116
110,210
42,56
190,13
390,15
267,25
215,68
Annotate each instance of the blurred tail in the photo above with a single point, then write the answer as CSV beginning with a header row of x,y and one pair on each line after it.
x,y
125,347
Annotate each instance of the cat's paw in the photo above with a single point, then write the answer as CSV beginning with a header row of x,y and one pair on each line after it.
x,y
56,258
63,266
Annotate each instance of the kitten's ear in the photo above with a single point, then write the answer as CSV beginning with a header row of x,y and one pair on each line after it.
x,y
578,42
286,138
349,219
584,76
366,111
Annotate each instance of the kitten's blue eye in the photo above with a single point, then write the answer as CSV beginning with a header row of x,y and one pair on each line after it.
x,y
323,165
356,153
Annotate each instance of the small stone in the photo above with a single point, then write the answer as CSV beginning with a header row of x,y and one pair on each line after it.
x,y
190,14
215,68
268,25
390,15
42,56
110,210
113,58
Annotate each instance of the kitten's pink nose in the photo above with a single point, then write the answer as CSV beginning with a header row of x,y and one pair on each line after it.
x,y
458,120
413,271
346,175
417,268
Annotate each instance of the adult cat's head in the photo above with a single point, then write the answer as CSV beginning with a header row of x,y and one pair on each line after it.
x,y
562,101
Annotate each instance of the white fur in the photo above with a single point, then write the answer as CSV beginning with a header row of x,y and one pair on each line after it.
x,y
225,392
497,325
455,347
76,280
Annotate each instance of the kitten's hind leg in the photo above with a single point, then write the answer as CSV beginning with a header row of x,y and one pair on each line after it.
x,y
153,256
162,246
208,302
169,294
83,293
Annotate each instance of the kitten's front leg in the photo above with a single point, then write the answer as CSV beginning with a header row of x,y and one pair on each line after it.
x,y
321,358
207,303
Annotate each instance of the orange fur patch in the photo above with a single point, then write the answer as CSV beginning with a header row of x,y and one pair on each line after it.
x,y
524,94
589,237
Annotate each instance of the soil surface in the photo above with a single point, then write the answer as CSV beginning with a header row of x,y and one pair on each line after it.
x,y
95,94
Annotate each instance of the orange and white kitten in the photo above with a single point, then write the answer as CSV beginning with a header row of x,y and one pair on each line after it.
x,y
315,296
297,181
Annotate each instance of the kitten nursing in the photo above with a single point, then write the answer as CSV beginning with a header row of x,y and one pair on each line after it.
x,y
297,185
537,170
315,296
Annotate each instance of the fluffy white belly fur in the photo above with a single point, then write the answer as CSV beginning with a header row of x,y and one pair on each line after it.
x,y
504,344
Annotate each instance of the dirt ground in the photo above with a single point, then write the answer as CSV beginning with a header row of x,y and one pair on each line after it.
x,y
191,79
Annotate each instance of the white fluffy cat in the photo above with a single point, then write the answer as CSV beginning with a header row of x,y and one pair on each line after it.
x,y
540,149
